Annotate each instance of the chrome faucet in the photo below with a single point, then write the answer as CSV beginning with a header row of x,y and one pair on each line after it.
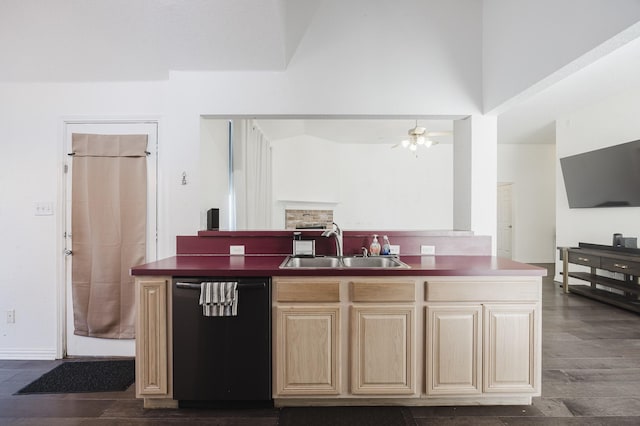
x,y
337,233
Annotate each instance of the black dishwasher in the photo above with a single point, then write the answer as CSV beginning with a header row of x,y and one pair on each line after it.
x,y
221,358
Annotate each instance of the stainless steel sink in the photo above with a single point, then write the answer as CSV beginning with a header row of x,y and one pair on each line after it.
x,y
373,262
311,262
343,262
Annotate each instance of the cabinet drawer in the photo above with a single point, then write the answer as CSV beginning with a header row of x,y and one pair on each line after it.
x,y
623,266
584,259
307,291
388,291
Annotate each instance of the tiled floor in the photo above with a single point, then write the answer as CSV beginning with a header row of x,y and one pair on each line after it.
x,y
591,376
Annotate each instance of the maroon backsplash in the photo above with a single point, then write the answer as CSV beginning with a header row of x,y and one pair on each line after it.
x,y
461,243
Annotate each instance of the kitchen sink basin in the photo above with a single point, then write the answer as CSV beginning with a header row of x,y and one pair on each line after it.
x,y
343,262
311,262
373,262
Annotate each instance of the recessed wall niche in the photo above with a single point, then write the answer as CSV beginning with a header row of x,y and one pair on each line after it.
x,y
299,219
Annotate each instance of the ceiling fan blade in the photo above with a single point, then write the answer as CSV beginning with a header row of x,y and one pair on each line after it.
x,y
437,133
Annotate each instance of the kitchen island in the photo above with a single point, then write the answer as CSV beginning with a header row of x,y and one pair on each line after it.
x,y
448,330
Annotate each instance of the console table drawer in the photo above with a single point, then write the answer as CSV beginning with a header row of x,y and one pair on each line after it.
x,y
584,259
623,266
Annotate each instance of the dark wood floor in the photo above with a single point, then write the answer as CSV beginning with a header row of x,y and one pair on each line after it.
x,y
591,376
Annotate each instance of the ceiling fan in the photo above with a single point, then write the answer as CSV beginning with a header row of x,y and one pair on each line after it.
x,y
418,136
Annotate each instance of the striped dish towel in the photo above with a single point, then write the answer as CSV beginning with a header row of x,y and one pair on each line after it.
x,y
219,299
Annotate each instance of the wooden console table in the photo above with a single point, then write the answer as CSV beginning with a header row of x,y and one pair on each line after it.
x,y
621,289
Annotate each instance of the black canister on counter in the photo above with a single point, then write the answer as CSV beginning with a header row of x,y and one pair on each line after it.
x,y
617,240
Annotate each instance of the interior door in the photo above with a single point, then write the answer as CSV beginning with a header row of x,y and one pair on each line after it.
x,y
72,344
505,221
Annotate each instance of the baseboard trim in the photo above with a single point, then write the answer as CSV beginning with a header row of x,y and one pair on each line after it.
x,y
31,354
407,402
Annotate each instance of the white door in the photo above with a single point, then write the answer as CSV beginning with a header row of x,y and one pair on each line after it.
x,y
505,222
73,345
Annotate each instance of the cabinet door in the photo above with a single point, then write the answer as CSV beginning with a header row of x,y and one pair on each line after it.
x,y
153,337
307,354
382,350
454,344
511,334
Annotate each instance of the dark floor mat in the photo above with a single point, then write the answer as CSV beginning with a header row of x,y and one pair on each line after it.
x,y
85,376
346,416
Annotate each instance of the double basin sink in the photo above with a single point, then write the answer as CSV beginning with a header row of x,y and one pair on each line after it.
x,y
355,262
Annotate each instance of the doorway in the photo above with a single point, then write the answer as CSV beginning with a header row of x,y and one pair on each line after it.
x,y
71,344
505,220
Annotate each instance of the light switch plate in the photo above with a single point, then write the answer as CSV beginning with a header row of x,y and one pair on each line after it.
x,y
427,249
42,208
237,250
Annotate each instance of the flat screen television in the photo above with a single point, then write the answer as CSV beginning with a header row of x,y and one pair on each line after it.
x,y
607,177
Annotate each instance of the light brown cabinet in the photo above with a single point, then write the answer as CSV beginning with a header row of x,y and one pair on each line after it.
x,y
511,332
378,337
307,355
483,336
453,336
307,337
153,341
382,350
417,340
382,336
486,348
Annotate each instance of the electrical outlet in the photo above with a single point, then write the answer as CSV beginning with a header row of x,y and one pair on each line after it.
x,y
236,250
11,316
394,249
427,249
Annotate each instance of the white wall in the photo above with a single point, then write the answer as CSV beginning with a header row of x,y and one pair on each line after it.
x,y
213,170
474,179
246,94
385,188
306,169
610,122
525,42
31,171
531,170
369,186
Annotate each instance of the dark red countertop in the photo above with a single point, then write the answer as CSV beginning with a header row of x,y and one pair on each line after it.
x,y
268,265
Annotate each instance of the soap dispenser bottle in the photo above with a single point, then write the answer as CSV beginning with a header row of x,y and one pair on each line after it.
x,y
386,246
374,249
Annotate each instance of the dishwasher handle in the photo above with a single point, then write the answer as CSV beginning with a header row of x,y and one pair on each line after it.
x,y
197,286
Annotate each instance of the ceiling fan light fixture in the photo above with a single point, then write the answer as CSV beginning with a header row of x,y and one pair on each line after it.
x,y
416,131
418,136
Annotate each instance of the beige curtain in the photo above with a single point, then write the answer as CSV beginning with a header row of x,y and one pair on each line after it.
x,y
109,211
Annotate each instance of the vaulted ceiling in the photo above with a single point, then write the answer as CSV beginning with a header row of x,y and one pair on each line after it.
x,y
111,40
79,40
